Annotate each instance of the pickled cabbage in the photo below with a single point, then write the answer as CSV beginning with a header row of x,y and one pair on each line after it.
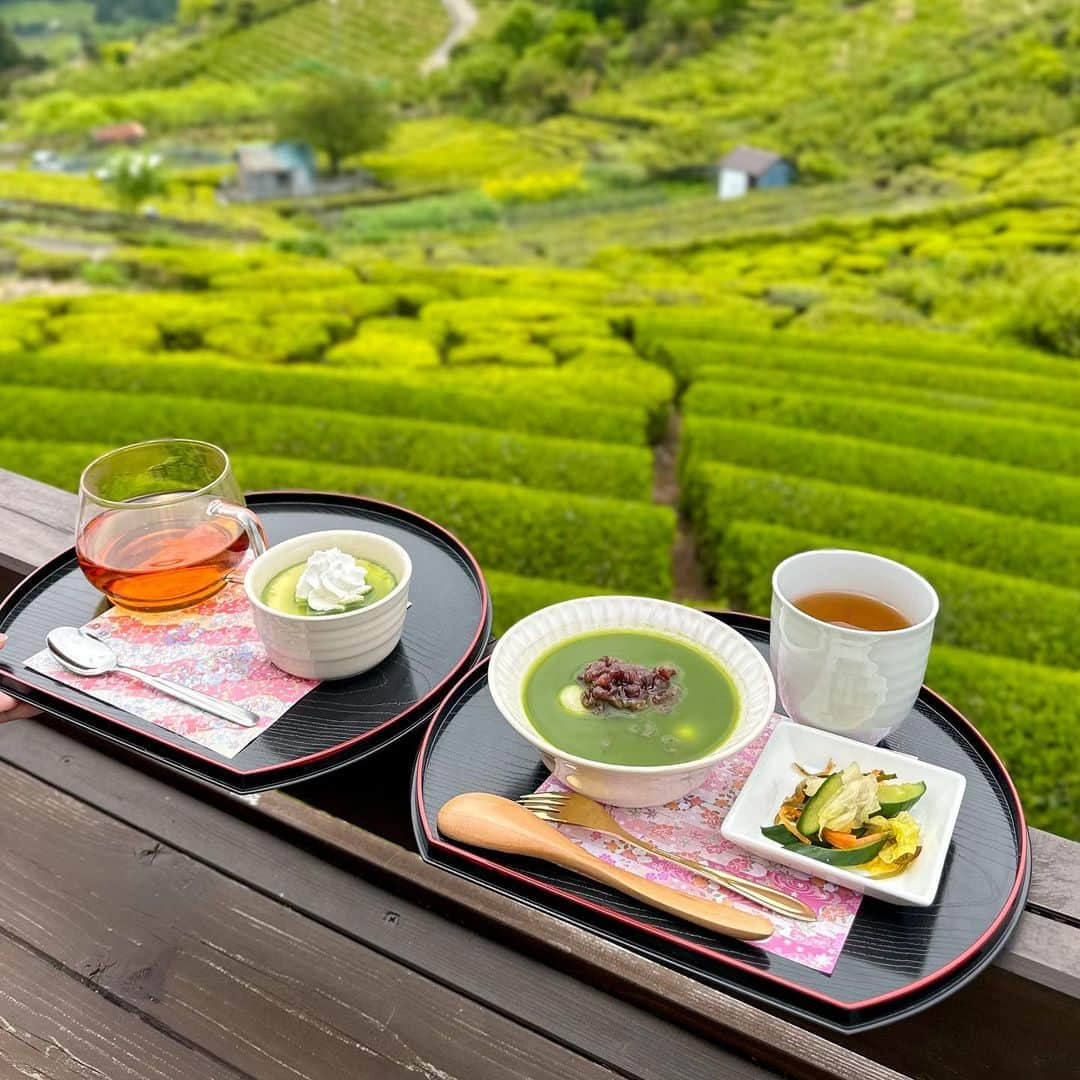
x,y
853,804
901,847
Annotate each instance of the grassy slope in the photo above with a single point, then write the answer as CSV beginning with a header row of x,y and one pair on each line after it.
x,y
371,37
878,83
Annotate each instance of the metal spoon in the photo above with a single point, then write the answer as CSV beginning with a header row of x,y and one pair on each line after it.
x,y
83,654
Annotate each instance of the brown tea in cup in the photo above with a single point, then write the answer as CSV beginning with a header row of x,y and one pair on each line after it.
x,y
852,610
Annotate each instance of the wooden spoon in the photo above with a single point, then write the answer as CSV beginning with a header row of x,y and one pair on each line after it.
x,y
489,821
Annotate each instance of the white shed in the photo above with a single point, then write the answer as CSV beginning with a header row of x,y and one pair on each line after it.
x,y
747,167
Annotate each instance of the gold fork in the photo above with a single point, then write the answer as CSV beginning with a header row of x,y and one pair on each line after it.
x,y
589,814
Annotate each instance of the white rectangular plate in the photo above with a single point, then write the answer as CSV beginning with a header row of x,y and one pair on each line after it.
x,y
773,779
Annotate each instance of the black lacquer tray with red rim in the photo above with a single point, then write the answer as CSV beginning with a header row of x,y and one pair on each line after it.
x,y
896,961
446,632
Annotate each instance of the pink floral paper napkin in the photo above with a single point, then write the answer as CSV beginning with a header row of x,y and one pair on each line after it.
x,y
691,828
212,647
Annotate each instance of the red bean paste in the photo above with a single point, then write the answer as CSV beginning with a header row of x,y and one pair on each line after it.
x,y
613,682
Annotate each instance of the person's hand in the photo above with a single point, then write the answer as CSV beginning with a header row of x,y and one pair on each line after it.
x,y
10,709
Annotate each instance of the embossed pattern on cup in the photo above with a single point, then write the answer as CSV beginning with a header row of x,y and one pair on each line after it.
x,y
858,683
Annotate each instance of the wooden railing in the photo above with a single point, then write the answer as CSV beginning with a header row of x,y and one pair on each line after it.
x,y
1004,1023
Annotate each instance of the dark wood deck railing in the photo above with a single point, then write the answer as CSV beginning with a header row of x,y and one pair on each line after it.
x,y
341,855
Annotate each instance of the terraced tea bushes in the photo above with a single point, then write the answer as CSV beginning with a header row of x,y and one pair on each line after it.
x,y
1005,697
370,391
327,435
1035,446
721,494
706,395
879,371
880,467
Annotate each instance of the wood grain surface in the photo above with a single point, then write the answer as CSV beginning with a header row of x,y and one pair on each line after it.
x,y
537,983
54,1024
213,964
632,1041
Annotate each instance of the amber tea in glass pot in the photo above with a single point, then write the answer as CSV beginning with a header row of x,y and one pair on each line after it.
x,y
162,524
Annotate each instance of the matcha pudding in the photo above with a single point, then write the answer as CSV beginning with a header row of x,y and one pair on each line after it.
x,y
328,582
330,604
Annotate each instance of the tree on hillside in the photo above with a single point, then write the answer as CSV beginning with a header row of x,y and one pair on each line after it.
x,y
11,56
338,116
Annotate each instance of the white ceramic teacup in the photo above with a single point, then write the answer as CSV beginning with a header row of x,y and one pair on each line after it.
x,y
858,683
331,646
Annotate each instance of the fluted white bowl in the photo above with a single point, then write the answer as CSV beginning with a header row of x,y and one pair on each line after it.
x,y
331,646
630,785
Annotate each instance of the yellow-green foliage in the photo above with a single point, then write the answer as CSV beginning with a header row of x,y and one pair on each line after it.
x,y
325,434
990,438
720,494
369,391
498,349
608,544
384,350
281,339
453,151
880,467
535,187
706,396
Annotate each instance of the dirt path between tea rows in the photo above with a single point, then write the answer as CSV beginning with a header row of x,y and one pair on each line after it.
x,y
463,18
688,577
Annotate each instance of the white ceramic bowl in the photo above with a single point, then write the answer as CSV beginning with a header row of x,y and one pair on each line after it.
x,y
629,785
331,646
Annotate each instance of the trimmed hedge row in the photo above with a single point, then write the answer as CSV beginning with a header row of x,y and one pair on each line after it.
x,y
979,382
287,278
286,339
514,597
983,611
607,544
622,384
710,384
1004,489
390,351
501,350
370,392
322,435
1044,447
1031,716
930,347
127,330
177,314
717,495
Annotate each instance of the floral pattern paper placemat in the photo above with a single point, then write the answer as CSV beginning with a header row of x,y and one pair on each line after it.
x,y
691,828
212,647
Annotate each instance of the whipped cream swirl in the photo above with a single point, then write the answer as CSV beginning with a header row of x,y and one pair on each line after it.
x,y
330,581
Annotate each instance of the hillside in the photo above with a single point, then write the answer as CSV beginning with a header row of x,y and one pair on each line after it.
x,y
220,67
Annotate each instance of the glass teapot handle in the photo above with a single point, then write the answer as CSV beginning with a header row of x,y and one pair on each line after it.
x,y
246,519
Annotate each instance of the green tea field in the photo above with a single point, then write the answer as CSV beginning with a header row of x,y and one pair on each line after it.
x,y
531,411
532,319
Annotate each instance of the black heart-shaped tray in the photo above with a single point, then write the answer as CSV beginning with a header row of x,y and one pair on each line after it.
x,y
896,961
446,632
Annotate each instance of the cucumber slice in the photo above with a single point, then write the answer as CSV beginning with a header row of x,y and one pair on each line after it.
x,y
897,797
832,856
808,823
780,835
